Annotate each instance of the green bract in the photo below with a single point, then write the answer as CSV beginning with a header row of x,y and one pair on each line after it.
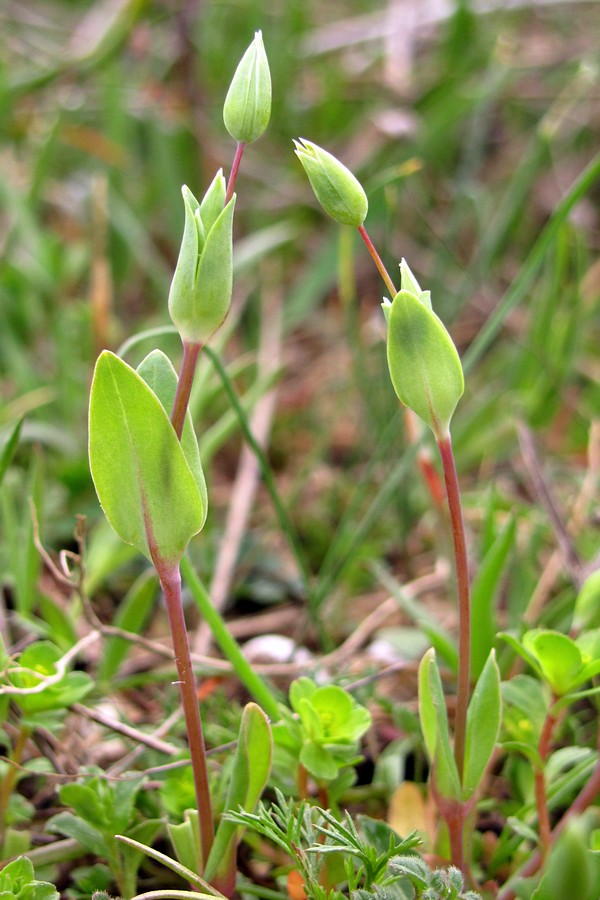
x,y
200,293
424,365
145,483
247,108
335,187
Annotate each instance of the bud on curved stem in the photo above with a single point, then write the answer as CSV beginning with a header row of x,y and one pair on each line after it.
x,y
340,194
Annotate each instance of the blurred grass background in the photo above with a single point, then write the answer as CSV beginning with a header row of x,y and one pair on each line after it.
x,y
468,124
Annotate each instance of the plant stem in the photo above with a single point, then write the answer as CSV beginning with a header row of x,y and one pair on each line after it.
x,y
378,261
464,601
541,797
8,782
170,580
253,683
184,385
239,152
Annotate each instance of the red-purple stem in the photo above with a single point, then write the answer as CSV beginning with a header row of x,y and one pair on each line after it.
x,y
378,261
239,152
170,580
464,601
184,385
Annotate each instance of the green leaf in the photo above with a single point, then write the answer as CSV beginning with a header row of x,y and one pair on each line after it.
x,y
558,657
483,595
250,773
424,365
142,477
318,761
483,725
90,838
434,724
160,376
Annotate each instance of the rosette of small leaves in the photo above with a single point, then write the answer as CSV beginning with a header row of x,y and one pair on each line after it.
x,y
18,882
326,729
200,294
340,194
424,365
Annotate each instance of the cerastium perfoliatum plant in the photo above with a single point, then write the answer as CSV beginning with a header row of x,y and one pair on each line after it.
x,y
427,376
145,461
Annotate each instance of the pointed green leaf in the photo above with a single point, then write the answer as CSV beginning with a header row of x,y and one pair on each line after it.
x,y
251,769
434,724
160,376
483,724
424,365
142,477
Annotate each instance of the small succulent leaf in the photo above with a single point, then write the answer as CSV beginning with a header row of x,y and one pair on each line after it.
x,y
247,107
318,761
250,773
213,202
160,376
311,720
340,194
522,651
424,365
299,688
142,477
558,656
434,724
483,725
185,838
588,644
333,705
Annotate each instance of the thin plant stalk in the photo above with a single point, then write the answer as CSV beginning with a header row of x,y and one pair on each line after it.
x,y
253,683
235,166
170,580
464,601
377,260
185,381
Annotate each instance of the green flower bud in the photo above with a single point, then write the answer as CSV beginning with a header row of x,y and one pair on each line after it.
x,y
200,293
335,187
247,108
424,365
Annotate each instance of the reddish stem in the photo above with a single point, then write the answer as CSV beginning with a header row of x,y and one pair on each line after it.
x,y
541,797
378,261
239,152
170,580
184,385
464,601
